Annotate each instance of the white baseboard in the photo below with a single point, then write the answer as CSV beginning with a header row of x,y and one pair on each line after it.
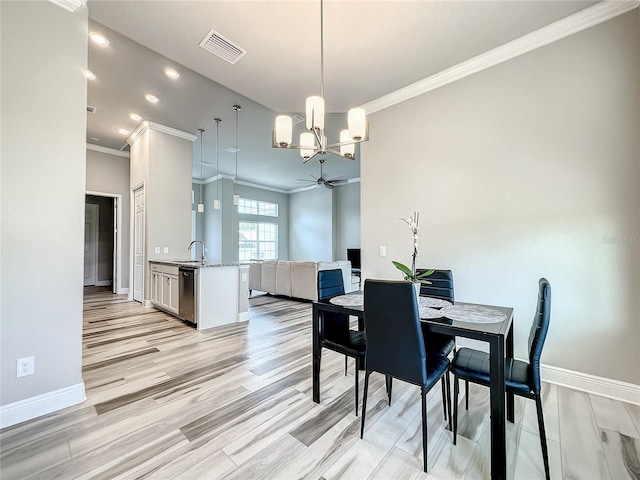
x,y
606,387
147,304
243,317
103,283
123,291
34,407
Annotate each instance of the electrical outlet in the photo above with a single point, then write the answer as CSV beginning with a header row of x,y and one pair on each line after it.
x,y
383,250
244,277
156,250
25,366
166,249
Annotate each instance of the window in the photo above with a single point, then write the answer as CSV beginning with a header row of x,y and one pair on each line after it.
x,y
258,240
257,207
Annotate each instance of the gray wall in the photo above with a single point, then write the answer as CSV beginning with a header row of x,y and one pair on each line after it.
x,y
346,219
43,116
219,228
311,225
528,169
110,174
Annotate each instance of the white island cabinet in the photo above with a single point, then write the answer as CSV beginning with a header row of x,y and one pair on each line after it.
x,y
221,293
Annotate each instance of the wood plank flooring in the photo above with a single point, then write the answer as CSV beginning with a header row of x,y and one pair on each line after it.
x,y
166,401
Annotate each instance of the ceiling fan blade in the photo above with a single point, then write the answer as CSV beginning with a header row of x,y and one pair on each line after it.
x,y
305,180
337,181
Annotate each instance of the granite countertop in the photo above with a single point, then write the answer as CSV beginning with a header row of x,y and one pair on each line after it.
x,y
198,264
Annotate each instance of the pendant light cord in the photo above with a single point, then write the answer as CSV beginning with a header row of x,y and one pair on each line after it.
x,y
201,132
321,49
217,120
235,180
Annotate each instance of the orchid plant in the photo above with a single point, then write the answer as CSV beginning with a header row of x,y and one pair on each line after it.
x,y
410,273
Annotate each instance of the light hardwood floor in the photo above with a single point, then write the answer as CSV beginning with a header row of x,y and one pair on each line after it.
x,y
168,401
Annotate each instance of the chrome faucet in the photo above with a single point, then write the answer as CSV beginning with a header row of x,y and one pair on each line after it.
x,y
203,258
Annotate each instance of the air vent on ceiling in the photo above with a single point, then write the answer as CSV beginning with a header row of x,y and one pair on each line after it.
x,y
296,119
224,48
91,109
232,149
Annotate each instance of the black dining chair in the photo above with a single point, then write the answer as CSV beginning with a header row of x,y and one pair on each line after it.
x,y
335,333
521,378
441,287
396,346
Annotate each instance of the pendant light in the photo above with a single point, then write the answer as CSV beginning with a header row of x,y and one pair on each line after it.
x,y
201,205
236,196
216,202
314,141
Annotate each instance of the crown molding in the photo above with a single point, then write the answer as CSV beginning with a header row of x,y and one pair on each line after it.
x,y
263,187
587,18
70,5
147,125
109,151
240,182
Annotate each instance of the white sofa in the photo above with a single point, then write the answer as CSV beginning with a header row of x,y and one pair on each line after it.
x,y
294,279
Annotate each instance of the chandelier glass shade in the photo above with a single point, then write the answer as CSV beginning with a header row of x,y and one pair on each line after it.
x,y
314,141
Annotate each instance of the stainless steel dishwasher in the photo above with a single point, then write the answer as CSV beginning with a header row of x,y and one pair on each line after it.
x,y
188,288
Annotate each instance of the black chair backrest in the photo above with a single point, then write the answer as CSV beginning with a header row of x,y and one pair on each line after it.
x,y
330,283
395,345
441,284
333,326
539,329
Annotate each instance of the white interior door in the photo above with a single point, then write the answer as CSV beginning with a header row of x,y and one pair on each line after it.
x,y
90,244
138,246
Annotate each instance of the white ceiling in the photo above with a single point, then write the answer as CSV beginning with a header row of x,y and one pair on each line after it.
x,y
372,48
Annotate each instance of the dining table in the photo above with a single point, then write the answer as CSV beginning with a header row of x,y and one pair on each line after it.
x,y
486,323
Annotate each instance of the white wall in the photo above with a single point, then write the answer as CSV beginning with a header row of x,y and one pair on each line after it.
x,y
311,225
346,219
528,169
110,174
163,162
43,117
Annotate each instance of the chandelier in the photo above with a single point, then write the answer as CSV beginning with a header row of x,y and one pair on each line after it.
x,y
314,141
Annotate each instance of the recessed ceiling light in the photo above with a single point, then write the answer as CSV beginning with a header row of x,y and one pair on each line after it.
x,y
123,131
90,75
98,39
151,98
135,117
171,73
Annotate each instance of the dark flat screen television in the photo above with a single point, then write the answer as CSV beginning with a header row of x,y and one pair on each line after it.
x,y
353,255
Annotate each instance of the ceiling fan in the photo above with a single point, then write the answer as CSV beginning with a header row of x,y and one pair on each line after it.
x,y
321,181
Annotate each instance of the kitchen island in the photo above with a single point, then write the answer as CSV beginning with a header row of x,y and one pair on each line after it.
x,y
216,293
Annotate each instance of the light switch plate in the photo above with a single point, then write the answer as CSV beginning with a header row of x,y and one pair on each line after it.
x,y
383,250
166,250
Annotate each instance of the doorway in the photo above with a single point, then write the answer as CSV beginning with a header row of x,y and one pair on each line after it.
x,y
103,248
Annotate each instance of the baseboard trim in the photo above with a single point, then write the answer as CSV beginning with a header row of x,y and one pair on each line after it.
x,y
103,283
123,291
606,387
243,317
33,407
